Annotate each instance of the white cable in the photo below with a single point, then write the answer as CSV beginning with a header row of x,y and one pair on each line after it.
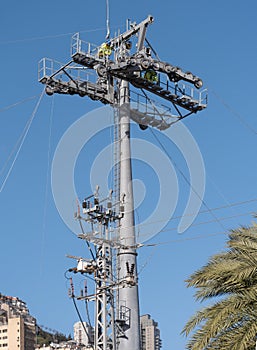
x,y
234,112
26,130
48,36
17,103
47,184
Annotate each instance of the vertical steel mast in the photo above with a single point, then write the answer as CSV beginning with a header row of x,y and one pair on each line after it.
x,y
128,305
113,73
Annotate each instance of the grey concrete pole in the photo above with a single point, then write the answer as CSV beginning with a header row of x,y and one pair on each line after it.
x,y
127,257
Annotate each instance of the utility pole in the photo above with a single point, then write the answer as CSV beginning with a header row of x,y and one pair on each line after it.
x,y
128,297
121,67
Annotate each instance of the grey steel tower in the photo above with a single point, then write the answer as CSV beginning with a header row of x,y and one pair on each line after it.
x,y
119,64
128,297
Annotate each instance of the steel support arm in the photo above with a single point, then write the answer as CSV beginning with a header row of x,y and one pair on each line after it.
x,y
141,28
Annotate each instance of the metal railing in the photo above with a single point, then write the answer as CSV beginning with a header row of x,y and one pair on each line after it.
x,y
49,68
145,111
81,46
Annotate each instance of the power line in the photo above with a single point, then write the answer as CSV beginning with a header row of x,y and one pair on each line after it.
x,y
211,221
184,177
81,320
154,245
185,239
201,212
235,113
198,224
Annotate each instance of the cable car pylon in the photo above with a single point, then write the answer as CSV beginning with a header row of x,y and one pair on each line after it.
x,y
122,72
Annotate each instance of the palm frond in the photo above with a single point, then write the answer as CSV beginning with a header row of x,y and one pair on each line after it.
x,y
230,323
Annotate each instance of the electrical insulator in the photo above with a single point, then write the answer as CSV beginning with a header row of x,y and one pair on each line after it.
x,y
130,280
85,288
71,288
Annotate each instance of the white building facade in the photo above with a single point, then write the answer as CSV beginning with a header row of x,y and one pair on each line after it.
x,y
150,333
83,334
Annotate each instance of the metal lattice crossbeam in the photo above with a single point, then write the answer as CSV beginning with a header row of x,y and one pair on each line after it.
x,y
72,79
93,71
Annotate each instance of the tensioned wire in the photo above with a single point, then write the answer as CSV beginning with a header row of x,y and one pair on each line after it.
x,y
45,37
204,212
47,183
20,143
199,224
234,113
193,225
15,104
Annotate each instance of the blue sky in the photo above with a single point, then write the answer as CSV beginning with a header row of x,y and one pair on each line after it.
x,y
215,40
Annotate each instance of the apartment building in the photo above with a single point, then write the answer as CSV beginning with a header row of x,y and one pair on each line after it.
x,y
17,326
150,333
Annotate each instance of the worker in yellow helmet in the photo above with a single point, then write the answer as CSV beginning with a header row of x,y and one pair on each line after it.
x,y
151,76
104,50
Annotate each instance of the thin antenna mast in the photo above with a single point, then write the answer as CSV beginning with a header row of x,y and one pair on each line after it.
x,y
117,71
107,20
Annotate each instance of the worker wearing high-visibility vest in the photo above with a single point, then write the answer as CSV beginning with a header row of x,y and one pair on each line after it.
x,y
104,50
151,76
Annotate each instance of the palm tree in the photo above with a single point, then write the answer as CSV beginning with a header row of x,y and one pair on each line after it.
x,y
231,276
